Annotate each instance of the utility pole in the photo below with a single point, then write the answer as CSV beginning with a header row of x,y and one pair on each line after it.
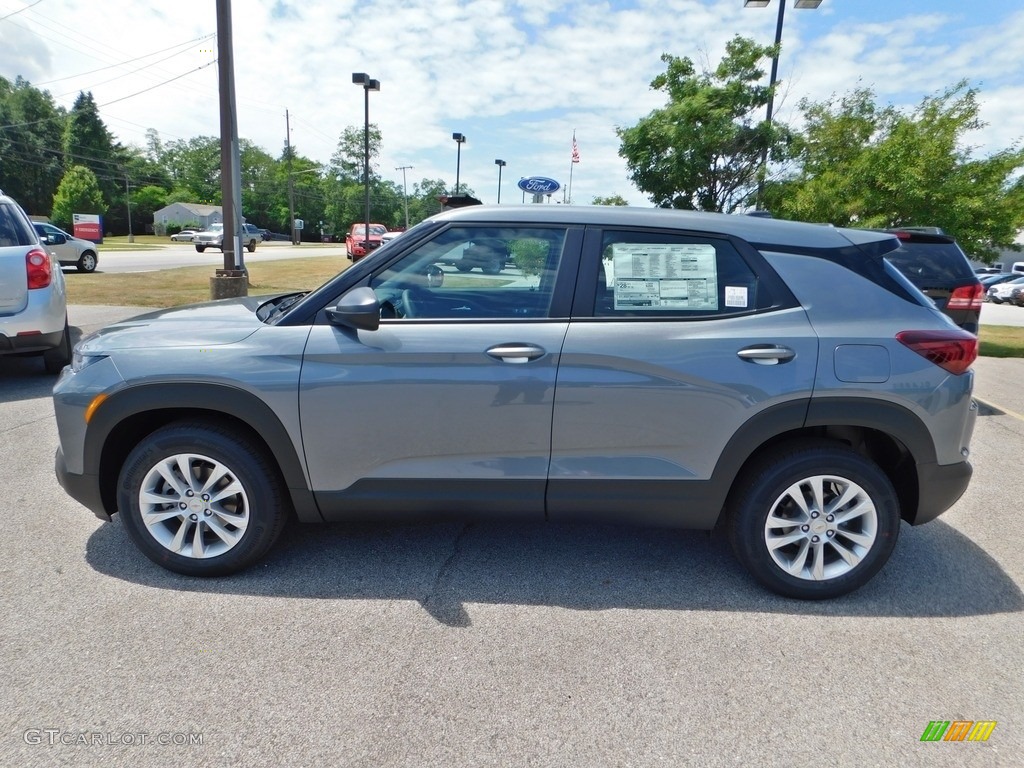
x,y
291,181
128,202
231,280
405,192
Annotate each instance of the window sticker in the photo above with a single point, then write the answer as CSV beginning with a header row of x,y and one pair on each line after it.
x,y
736,296
664,276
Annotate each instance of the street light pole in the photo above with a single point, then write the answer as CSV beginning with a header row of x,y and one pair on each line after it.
x,y
501,164
459,139
802,4
363,79
405,192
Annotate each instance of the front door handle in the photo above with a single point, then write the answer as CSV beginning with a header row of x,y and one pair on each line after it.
x,y
767,354
516,353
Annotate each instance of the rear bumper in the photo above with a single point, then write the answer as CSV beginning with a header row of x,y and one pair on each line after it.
x,y
941,486
36,342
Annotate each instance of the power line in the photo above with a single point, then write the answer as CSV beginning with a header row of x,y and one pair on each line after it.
x,y
20,10
129,61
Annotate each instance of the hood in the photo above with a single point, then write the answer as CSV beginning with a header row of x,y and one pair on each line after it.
x,y
208,324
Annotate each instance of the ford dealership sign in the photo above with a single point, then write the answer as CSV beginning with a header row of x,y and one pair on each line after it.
x,y
539,185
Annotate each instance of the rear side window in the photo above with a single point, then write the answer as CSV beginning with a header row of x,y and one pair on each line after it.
x,y
657,274
932,264
14,230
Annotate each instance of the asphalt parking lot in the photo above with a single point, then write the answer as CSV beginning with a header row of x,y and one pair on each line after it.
x,y
501,645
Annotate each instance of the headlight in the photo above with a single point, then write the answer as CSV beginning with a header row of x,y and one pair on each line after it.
x,y
80,360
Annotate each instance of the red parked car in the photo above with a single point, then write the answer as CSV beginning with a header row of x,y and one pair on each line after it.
x,y
357,244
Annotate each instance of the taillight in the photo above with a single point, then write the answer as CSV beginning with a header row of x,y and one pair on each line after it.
x,y
966,297
37,264
953,351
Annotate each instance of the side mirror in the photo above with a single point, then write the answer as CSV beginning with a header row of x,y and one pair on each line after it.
x,y
359,309
55,239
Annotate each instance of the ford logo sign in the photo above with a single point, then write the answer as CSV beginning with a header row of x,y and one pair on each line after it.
x,y
539,185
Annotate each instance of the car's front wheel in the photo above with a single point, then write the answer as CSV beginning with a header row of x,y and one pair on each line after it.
x,y
201,499
86,262
813,520
251,246
200,248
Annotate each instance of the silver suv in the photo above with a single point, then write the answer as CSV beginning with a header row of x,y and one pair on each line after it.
x,y
214,237
70,251
33,304
652,367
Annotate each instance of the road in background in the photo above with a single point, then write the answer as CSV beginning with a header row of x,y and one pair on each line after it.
x,y
185,255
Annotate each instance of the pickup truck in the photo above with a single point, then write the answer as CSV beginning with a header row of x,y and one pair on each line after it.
x,y
214,238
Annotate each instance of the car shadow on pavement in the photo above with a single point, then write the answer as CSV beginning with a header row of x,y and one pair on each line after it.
x,y
935,571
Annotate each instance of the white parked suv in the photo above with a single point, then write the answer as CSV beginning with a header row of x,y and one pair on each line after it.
x,y
33,304
214,238
70,251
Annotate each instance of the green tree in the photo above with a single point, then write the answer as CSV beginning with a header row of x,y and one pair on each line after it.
x,y
610,200
194,166
349,157
703,149
78,192
31,152
88,143
882,167
145,202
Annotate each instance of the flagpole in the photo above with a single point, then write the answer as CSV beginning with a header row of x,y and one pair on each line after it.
x,y
571,164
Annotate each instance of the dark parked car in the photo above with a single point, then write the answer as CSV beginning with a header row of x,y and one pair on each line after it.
x,y
650,367
936,264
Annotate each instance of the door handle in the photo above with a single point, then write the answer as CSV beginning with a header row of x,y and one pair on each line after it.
x,y
515,353
767,354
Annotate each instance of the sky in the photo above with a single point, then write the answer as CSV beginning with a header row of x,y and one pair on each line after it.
x,y
517,79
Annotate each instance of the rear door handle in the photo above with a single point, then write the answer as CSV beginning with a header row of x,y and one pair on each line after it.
x,y
516,353
767,354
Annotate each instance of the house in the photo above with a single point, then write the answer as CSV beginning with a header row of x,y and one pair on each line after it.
x,y
186,214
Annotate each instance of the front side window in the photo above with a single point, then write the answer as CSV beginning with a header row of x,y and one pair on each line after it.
x,y
650,274
464,273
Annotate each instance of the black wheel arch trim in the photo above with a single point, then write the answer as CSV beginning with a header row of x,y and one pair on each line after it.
x,y
890,418
217,398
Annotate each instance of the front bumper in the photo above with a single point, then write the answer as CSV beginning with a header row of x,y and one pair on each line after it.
x,y
85,489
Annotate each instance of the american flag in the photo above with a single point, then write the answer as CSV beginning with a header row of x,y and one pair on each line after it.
x,y
575,149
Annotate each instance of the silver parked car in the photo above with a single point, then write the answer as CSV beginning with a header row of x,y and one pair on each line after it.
x,y
70,251
33,303
652,367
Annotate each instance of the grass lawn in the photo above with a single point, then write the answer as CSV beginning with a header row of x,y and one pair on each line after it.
x,y
187,285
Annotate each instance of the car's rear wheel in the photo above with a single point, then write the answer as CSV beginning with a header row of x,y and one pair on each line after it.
x,y
200,499
493,267
200,248
813,520
86,262
55,359
463,267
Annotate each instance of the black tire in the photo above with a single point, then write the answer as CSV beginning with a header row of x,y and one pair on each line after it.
x,y
253,516
55,359
493,267
765,488
86,262
463,267
251,246
200,248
